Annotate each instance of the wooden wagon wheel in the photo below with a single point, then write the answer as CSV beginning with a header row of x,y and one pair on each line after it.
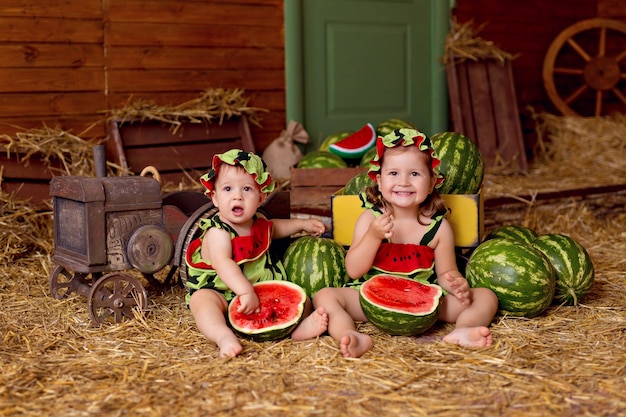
x,y
114,297
63,283
583,72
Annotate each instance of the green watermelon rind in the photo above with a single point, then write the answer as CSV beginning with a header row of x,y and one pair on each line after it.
x,y
387,126
395,321
277,332
513,231
573,267
357,184
520,275
365,137
321,159
314,263
461,163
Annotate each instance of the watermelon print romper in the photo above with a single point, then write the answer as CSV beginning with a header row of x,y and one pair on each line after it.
x,y
406,260
252,254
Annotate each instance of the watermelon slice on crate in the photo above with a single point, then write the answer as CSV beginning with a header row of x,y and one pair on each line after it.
x,y
355,145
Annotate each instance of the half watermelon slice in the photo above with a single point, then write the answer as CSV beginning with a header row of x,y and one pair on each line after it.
x,y
355,145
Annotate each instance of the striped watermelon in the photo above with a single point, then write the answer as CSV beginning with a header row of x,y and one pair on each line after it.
x,y
355,145
358,183
399,305
461,163
315,263
572,265
520,276
388,126
334,138
367,158
515,232
321,159
281,309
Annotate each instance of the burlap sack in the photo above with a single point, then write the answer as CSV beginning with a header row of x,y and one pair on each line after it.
x,y
282,153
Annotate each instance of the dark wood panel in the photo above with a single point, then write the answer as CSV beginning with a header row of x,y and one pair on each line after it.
x,y
161,80
37,55
51,80
83,9
41,29
46,104
206,13
178,57
226,35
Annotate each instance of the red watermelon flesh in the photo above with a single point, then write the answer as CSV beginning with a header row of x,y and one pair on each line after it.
x,y
355,145
281,309
403,259
402,294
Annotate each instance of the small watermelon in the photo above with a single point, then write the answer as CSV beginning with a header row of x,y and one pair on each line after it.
x,y
358,183
281,309
315,263
461,163
334,138
388,126
400,306
355,145
520,276
366,159
321,159
513,231
572,265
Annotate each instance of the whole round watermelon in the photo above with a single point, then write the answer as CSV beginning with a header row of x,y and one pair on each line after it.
x,y
315,263
321,159
572,265
281,309
399,305
389,125
334,138
513,231
358,183
520,275
461,163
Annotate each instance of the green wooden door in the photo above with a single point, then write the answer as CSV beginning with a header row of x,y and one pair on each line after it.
x,y
350,62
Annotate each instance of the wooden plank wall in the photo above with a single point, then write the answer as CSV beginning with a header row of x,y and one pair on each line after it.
x,y
64,63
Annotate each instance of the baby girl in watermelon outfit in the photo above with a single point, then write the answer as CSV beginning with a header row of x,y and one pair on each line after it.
x,y
220,263
404,210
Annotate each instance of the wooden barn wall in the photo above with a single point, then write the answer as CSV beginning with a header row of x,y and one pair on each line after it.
x,y
64,63
527,28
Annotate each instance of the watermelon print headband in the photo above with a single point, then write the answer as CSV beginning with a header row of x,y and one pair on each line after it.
x,y
404,137
253,164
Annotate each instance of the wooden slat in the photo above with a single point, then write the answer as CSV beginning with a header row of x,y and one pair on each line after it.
x,y
83,9
51,80
45,104
18,29
482,106
37,55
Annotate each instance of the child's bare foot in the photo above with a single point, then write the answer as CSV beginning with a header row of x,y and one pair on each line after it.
x,y
354,344
470,336
229,345
313,325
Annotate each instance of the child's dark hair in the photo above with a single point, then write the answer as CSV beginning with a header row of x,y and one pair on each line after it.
x,y
431,205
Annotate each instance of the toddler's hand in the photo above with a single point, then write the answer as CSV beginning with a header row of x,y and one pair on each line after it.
x,y
249,303
459,287
314,227
382,226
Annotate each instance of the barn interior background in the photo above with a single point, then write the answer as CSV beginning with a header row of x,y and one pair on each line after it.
x,y
66,65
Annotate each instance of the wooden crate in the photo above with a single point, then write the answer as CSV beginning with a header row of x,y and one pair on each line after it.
x,y
28,180
483,107
312,188
178,156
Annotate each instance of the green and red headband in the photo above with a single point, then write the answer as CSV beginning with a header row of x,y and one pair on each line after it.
x,y
250,162
404,137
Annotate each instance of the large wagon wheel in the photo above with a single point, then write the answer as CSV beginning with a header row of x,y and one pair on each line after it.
x,y
583,72
114,297
63,283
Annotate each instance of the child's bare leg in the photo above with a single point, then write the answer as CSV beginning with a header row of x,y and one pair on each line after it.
x,y
471,322
314,324
343,308
207,308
